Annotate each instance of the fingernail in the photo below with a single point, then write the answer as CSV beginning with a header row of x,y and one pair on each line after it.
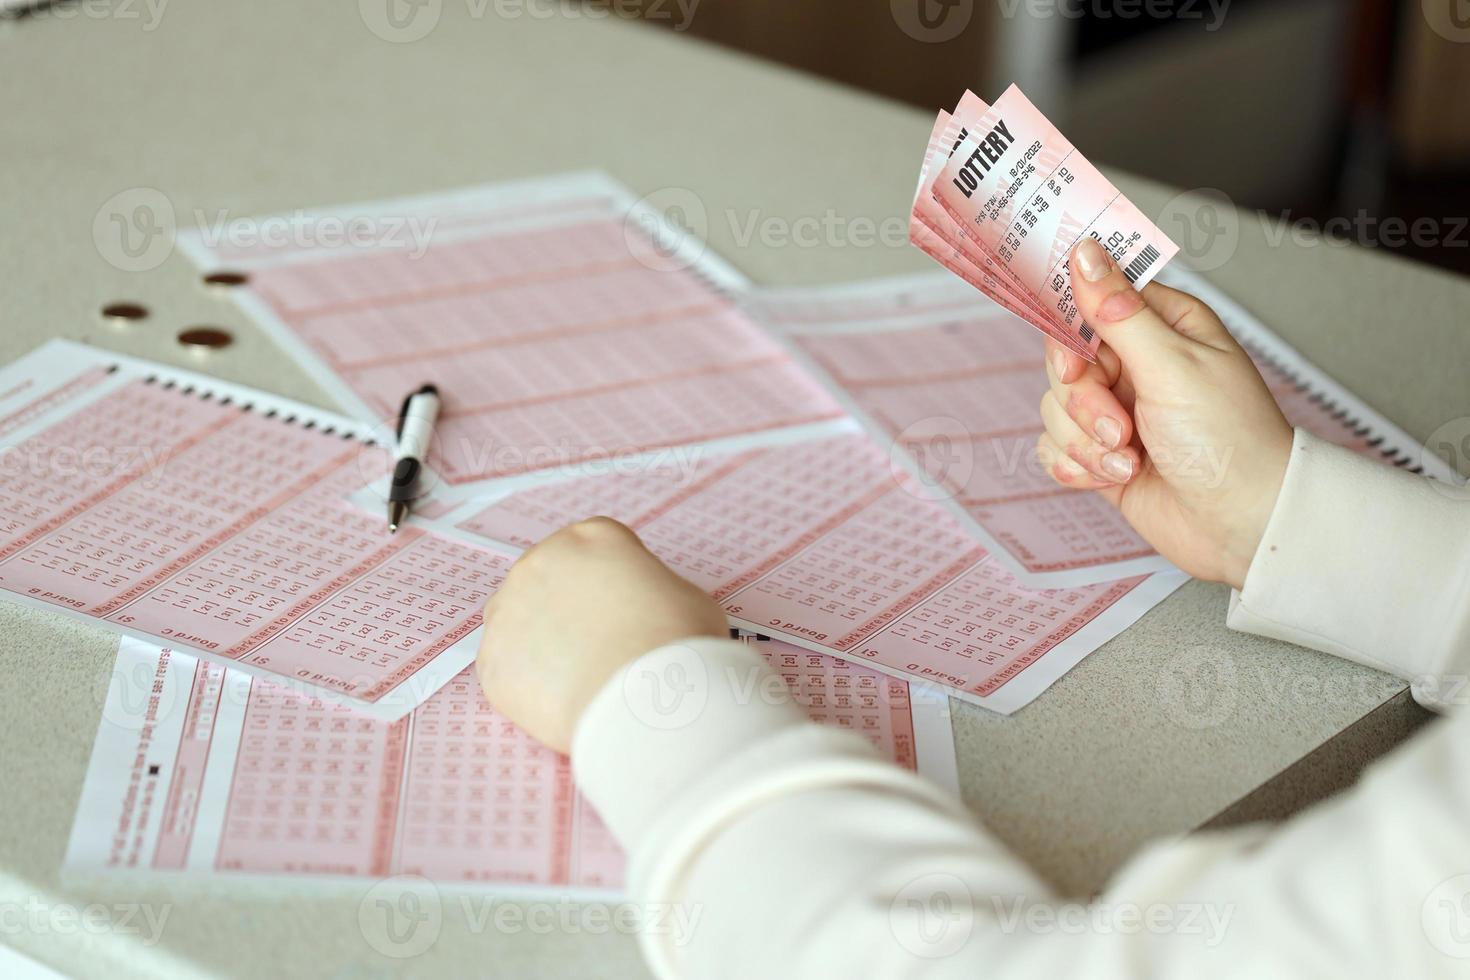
x,y
1059,364
1118,466
1092,260
1108,432
1068,468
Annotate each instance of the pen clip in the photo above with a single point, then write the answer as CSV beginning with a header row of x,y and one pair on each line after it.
x,y
425,389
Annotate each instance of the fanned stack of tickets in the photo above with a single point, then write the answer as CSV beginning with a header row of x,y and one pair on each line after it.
x,y
1003,198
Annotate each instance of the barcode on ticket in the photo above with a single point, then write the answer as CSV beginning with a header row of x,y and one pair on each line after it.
x,y
1141,263
1015,196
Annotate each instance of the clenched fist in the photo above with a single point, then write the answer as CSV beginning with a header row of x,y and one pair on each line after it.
x,y
576,607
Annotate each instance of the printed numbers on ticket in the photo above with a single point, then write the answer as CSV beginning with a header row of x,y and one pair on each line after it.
x,y
1024,192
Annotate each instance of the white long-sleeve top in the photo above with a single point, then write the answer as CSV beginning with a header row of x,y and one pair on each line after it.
x,y
762,845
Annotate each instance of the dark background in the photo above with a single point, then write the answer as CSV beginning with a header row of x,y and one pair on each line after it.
x,y
1298,109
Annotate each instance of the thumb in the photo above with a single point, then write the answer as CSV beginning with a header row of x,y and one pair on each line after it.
x,y
1112,307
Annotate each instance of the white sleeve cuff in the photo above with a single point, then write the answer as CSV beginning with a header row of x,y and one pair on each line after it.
x,y
663,720
1367,562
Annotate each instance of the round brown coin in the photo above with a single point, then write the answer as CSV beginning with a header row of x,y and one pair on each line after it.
x,y
125,311
205,338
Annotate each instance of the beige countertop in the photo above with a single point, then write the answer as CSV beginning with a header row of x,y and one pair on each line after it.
x,y
256,108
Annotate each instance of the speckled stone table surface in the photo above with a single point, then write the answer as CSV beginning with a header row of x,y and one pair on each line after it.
x,y
264,107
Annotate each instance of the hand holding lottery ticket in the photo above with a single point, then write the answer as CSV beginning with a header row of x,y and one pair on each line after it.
x,y
1004,198
1173,424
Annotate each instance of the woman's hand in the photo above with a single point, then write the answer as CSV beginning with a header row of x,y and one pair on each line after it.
x,y
576,607
1173,424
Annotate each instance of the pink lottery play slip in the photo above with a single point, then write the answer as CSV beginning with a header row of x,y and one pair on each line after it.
x,y
202,768
826,545
1004,197
564,324
174,507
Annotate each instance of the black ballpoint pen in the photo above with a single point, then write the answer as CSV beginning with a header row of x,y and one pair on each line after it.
x,y
415,430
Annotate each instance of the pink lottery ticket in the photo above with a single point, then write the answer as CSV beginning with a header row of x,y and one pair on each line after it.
x,y
935,233
174,507
557,331
1023,194
200,768
824,545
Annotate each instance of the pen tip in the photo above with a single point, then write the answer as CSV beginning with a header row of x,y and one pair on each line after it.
x,y
392,528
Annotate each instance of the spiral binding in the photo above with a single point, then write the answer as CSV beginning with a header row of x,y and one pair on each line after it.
x,y
1400,457
693,268
204,394
724,292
